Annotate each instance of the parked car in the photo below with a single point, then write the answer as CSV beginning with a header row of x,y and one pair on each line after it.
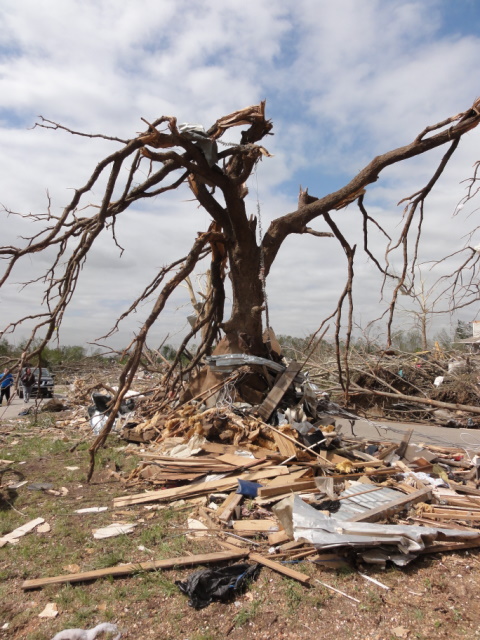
x,y
46,383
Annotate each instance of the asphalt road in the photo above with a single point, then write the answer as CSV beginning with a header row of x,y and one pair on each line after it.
x,y
15,406
429,434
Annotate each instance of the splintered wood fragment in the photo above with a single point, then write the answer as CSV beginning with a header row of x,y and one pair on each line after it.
x,y
387,451
279,568
399,504
276,394
229,506
127,569
404,443
286,448
278,537
302,485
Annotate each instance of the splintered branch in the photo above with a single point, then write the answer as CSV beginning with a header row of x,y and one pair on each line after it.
x,y
345,295
133,361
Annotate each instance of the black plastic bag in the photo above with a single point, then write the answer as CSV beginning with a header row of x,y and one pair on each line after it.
x,y
207,585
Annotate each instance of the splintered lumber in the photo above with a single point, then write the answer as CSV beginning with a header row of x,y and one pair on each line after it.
x,y
375,472
399,504
287,487
127,569
229,506
276,394
402,447
194,490
279,568
286,448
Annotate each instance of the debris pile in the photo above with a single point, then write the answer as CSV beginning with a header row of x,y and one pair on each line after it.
x,y
283,475
277,482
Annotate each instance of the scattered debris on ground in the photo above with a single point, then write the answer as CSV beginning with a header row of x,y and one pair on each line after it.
x,y
271,486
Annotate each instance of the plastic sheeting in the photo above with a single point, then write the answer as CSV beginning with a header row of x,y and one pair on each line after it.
x,y
207,585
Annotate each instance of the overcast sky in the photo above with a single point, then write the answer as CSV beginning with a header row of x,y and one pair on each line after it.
x,y
344,81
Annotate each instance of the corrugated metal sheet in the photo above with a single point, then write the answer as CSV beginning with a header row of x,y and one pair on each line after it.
x,y
359,504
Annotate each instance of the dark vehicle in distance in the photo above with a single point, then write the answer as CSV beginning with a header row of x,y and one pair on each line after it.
x,y
46,383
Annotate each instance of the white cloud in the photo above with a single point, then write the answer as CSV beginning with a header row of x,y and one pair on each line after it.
x,y
343,81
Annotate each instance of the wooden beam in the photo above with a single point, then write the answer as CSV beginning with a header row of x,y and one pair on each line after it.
x,y
386,510
287,487
455,546
276,394
127,569
464,489
260,526
279,568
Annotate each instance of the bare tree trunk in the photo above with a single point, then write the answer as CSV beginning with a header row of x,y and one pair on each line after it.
x,y
243,330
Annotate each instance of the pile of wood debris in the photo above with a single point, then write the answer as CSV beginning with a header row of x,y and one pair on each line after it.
x,y
298,488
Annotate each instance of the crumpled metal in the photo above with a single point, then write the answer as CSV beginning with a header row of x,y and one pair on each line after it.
x,y
303,522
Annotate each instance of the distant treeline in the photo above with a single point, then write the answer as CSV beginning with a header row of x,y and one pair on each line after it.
x,y
405,340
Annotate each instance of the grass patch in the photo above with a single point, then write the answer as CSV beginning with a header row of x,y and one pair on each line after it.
x,y
247,614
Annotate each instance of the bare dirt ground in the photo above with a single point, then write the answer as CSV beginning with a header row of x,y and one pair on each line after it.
x,y
437,596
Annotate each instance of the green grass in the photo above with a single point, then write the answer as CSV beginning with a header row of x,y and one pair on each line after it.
x,y
248,613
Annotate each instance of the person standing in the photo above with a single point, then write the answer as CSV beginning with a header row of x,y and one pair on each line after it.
x,y
27,380
6,383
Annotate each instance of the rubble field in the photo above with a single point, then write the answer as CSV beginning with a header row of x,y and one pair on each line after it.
x,y
243,511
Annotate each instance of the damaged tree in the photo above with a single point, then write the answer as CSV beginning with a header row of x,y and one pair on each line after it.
x,y
184,154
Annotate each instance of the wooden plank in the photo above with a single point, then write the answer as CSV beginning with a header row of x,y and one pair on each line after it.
x,y
276,394
289,487
291,544
399,504
127,569
473,517
278,537
240,461
198,489
229,506
255,525
455,546
387,451
380,472
279,568
404,443
464,489
258,452
293,475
